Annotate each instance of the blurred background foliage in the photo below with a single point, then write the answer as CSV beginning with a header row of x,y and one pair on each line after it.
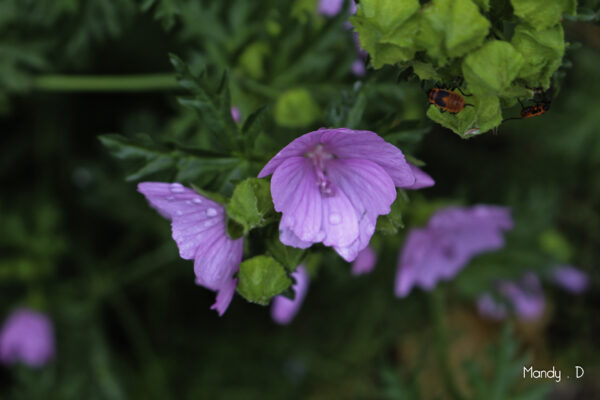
x,y
78,241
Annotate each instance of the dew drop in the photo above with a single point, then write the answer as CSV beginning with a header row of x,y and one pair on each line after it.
x,y
335,219
211,212
177,188
170,198
197,200
179,212
208,224
189,203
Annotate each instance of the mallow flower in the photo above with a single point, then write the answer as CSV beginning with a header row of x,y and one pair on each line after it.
x,y
27,337
236,114
198,226
365,261
569,278
283,309
524,297
452,237
330,8
332,184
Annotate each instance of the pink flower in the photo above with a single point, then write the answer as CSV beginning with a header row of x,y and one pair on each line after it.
x,y
27,336
199,230
283,310
524,296
365,262
236,114
443,248
332,184
569,278
330,8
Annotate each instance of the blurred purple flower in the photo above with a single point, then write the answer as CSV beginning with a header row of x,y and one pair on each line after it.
x,y
330,8
198,226
365,261
524,296
569,278
358,68
27,336
283,310
452,237
236,114
422,179
332,184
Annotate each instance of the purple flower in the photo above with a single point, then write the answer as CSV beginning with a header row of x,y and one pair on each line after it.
x,y
365,261
358,68
330,8
524,296
452,237
489,308
569,278
422,179
199,230
283,310
27,336
332,184
236,114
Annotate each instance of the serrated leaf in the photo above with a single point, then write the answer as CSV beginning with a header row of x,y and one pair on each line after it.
x,y
255,124
542,14
260,278
251,205
296,108
212,103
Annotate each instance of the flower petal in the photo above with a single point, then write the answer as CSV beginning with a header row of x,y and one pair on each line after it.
x,y
224,297
283,310
215,262
194,218
365,262
367,145
296,148
296,195
422,179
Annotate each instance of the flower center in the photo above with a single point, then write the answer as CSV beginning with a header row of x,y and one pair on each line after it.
x,y
319,157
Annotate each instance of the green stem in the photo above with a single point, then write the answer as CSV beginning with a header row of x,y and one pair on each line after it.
x,y
105,83
436,303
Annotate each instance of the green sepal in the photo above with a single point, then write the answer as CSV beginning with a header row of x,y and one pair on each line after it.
x,y
289,257
389,224
260,278
250,205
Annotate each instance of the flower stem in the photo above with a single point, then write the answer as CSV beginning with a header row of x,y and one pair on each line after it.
x,y
437,311
105,83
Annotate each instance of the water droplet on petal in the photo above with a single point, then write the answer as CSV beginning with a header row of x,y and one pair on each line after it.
x,y
197,200
177,188
189,203
335,219
170,198
208,224
211,212
179,212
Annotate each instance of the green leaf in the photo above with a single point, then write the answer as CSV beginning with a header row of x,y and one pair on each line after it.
x,y
542,52
289,257
543,14
251,205
483,4
386,30
260,278
491,69
211,102
425,71
296,108
254,125
484,116
460,23
390,224
166,11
